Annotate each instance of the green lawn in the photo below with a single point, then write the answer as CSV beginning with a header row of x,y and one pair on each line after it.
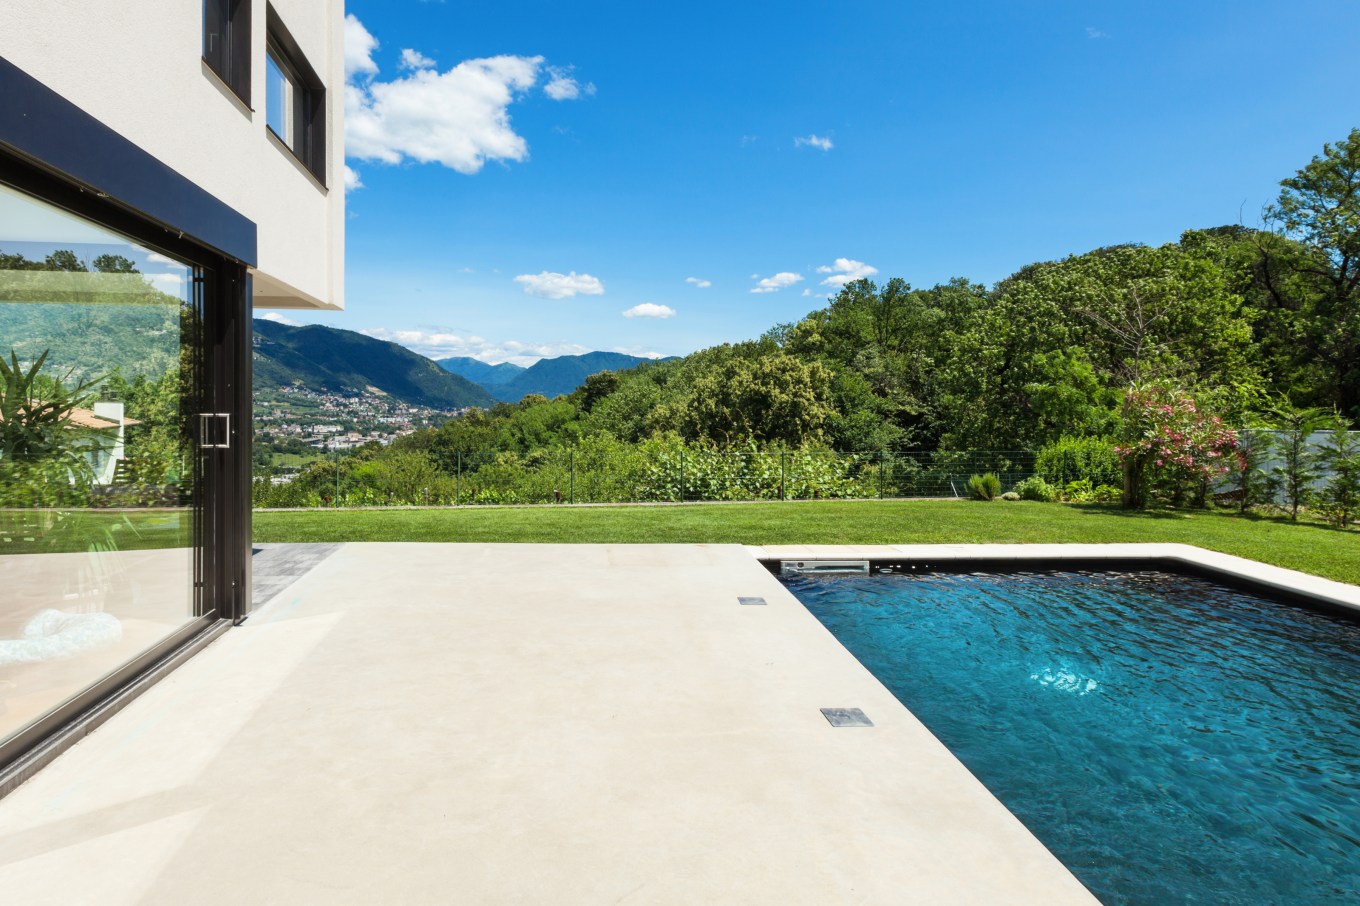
x,y
65,531
1309,547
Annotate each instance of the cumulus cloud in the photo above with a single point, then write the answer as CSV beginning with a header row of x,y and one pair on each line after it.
x,y
844,271
279,319
359,47
414,59
459,117
162,259
775,283
699,282
552,285
650,310
170,284
352,180
1095,33
813,141
640,351
442,342
562,85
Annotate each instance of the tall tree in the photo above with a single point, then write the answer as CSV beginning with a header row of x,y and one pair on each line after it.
x,y
1319,206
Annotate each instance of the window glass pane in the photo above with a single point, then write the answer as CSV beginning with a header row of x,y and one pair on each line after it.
x,y
278,100
215,34
98,456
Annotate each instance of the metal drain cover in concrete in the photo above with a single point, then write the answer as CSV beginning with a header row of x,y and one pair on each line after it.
x,y
846,717
741,600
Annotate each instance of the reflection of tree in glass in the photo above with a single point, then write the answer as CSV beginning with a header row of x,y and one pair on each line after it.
x,y
43,451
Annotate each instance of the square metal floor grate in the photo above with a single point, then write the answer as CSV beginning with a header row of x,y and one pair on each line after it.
x,y
846,717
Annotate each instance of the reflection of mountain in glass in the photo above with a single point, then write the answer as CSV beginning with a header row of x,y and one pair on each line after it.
x,y
95,318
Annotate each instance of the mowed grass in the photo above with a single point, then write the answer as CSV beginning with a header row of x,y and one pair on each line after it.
x,y
1310,547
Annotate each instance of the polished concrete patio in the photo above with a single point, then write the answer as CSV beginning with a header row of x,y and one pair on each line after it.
x,y
414,723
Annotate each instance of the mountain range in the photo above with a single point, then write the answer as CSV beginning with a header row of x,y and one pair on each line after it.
x,y
550,377
328,358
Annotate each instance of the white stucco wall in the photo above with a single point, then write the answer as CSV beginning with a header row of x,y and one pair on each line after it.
x,y
137,67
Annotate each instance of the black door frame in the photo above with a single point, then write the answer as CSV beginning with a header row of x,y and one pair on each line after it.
x,y
224,579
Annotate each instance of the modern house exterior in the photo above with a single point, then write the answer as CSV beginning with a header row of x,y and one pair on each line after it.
x,y
165,167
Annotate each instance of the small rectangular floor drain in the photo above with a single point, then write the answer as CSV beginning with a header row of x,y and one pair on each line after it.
x,y
750,600
846,717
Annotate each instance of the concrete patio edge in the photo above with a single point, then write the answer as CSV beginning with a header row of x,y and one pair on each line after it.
x,y
1288,581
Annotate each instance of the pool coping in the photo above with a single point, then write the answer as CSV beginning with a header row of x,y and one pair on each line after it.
x,y
1298,587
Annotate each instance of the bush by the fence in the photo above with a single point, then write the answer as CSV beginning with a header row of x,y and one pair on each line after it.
x,y
1070,459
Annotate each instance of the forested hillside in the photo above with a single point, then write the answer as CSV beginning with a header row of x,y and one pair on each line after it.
x,y
323,358
1226,327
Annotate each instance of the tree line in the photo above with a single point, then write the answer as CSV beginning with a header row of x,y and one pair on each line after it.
x,y
1245,323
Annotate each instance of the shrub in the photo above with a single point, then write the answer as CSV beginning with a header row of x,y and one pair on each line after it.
x,y
1036,488
1079,491
1340,456
1170,444
1107,493
984,487
1070,459
1010,495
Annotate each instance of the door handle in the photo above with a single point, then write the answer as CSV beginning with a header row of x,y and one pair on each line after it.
x,y
206,440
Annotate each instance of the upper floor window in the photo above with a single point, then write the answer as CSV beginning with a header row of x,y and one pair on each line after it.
x,y
226,43
295,99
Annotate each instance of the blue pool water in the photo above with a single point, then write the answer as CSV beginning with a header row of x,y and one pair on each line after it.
x,y
1170,740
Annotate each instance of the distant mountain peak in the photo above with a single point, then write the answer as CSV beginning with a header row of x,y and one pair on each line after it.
x,y
329,358
560,375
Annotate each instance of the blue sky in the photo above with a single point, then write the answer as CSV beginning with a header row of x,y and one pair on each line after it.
x,y
529,172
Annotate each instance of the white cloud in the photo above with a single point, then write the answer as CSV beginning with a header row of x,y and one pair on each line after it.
x,y
552,285
459,118
352,180
359,47
1095,33
562,86
414,59
279,319
650,310
640,351
844,271
171,284
699,282
813,141
162,259
440,343
775,283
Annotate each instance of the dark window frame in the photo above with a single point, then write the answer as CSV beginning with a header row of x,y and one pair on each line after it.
x,y
308,100
226,43
222,533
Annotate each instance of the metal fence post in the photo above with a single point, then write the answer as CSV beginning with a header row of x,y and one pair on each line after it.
x,y
783,474
682,475
571,467
882,470
458,482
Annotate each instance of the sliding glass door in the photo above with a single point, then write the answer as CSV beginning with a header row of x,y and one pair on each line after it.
x,y
104,446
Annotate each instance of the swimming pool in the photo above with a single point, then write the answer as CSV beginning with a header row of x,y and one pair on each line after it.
x,y
1169,739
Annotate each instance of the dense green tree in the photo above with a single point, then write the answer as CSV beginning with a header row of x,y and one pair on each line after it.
x,y
775,399
1319,207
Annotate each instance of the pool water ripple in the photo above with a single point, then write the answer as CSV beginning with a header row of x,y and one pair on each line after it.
x,y
1171,740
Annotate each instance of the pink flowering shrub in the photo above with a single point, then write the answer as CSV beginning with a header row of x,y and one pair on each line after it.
x,y
1169,443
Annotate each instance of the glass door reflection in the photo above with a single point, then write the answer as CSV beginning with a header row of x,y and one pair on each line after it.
x,y
100,469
